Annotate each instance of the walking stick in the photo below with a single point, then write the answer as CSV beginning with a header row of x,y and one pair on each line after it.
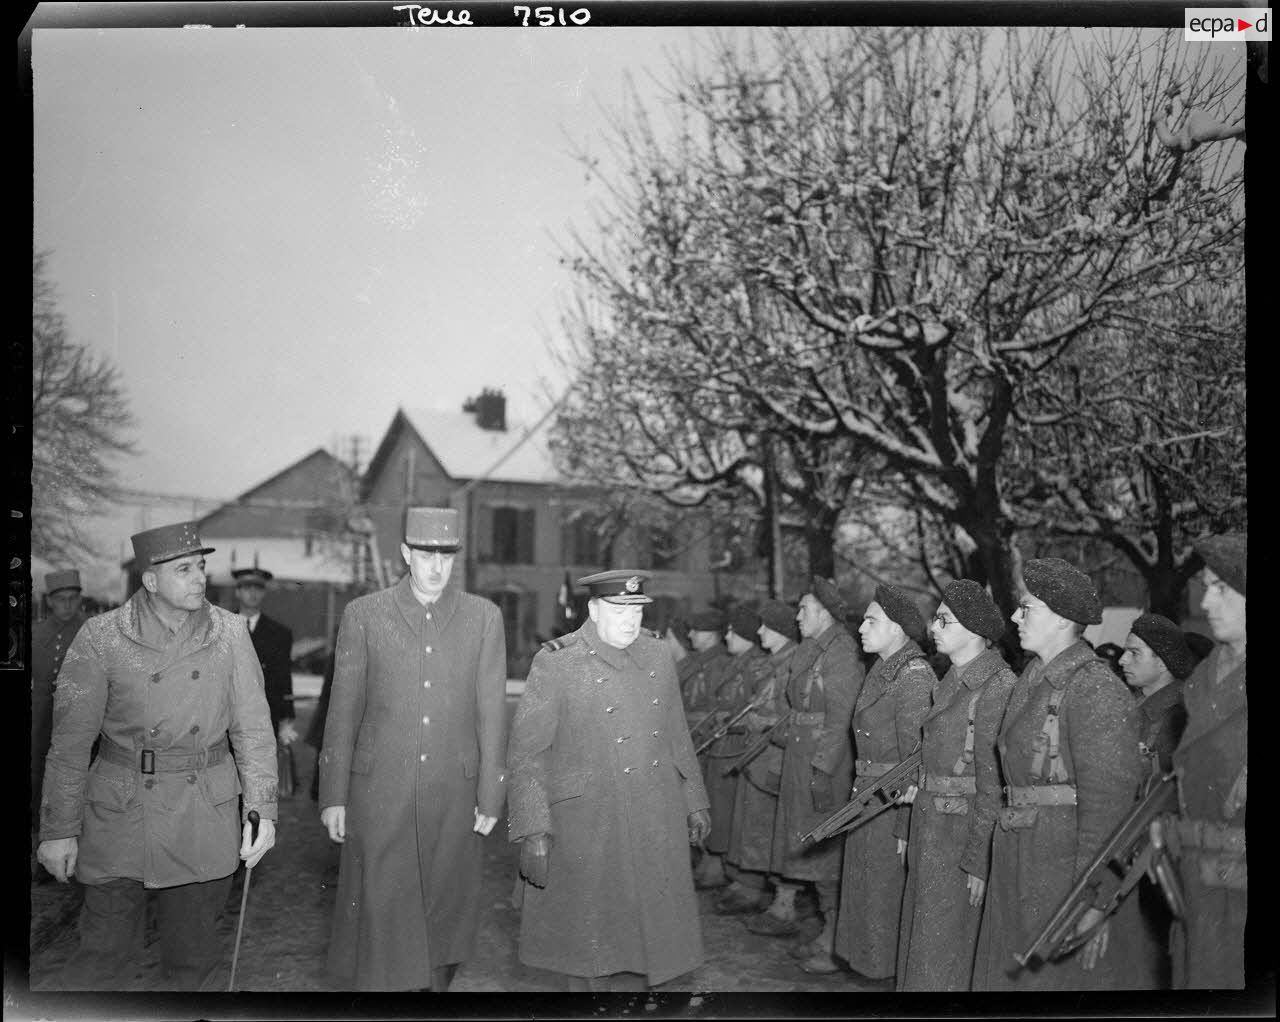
x,y
254,818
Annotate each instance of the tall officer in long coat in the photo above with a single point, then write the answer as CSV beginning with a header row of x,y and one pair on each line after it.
x,y
162,682
1069,759
886,729
411,771
823,684
50,640
1212,763
954,806
606,797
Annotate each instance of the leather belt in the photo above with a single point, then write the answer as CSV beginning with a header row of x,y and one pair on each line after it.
x,y
162,761
1210,836
1040,795
941,784
808,719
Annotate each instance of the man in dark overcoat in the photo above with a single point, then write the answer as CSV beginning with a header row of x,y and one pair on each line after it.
x,y
169,686
50,640
273,642
606,797
411,771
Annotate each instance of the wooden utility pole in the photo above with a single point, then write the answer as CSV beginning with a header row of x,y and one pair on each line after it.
x,y
773,523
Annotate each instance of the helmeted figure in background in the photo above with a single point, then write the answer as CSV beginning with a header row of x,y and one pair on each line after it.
x,y
162,683
886,730
605,799
411,771
954,807
1208,839
1069,759
50,640
823,683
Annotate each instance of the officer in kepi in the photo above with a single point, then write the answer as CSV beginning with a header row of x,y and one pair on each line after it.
x,y
605,797
171,687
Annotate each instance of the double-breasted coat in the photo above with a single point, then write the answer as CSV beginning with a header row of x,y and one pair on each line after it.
x,y
413,743
741,677
600,759
273,643
1037,856
168,695
824,678
756,799
951,822
50,640
886,730
1211,763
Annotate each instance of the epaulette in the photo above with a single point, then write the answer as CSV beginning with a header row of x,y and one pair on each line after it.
x,y
653,633
553,645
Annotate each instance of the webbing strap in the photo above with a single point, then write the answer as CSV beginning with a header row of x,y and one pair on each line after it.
x,y
1048,740
966,757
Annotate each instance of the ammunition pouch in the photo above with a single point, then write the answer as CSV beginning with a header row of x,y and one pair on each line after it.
x,y
951,794
951,805
1218,851
1040,795
1019,818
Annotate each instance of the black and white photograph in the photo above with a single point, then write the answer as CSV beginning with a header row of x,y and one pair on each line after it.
x,y
637,509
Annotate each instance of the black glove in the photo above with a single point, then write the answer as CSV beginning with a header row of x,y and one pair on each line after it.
x,y
699,826
535,850
823,791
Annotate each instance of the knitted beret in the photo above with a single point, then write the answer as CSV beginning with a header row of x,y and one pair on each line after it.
x,y
1065,589
1166,641
826,593
1227,556
745,622
781,617
706,621
974,609
1200,645
898,607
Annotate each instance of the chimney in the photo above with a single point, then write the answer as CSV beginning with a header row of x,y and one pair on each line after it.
x,y
490,409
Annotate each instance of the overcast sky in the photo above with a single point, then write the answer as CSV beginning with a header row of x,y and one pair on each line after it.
x,y
281,235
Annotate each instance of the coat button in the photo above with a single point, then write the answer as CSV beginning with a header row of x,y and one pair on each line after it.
x,y
428,615
155,677
426,720
599,680
423,757
150,783
592,652
655,762
191,778
653,674
655,735
625,770
155,731
195,674
619,741
428,649
609,709
426,684
655,702
195,729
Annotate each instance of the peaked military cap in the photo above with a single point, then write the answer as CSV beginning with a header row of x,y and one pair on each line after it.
x,y
432,528
619,586
254,576
167,543
55,580
706,621
898,608
1167,642
1227,556
1065,589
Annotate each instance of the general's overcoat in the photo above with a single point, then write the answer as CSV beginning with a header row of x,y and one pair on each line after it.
x,y
951,825
742,676
886,730
1034,866
413,743
756,799
601,760
143,688
823,681
273,642
50,640
1211,762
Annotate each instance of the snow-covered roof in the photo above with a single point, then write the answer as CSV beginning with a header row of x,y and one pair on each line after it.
x,y
468,452
285,557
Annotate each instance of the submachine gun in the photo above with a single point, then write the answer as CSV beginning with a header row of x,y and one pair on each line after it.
x,y
887,789
723,729
1131,851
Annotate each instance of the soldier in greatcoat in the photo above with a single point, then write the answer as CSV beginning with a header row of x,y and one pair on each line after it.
x,y
954,806
411,771
606,797
823,683
886,730
1069,759
50,640
756,799
1208,837
169,686
700,674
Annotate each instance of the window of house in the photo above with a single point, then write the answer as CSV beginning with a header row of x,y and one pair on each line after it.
x,y
519,623
581,541
511,535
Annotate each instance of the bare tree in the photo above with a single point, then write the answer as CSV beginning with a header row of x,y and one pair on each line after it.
x,y
79,420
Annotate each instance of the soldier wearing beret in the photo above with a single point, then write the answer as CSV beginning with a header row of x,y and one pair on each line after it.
x,y
50,640
411,770
1068,755
700,674
1211,762
170,687
886,729
756,799
823,681
273,642
954,809
606,797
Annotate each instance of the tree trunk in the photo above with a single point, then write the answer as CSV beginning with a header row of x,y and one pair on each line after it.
x,y
819,533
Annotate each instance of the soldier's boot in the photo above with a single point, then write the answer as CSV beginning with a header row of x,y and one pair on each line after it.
x,y
821,962
738,899
779,919
710,872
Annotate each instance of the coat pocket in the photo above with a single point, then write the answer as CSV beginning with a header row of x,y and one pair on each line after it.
x,y
951,805
470,764
566,787
1018,817
110,786
362,755
220,783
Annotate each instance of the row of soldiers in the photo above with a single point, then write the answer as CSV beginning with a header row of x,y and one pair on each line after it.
x,y
1023,782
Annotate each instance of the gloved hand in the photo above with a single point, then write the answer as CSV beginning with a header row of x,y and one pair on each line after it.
x,y
699,826
535,851
822,788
